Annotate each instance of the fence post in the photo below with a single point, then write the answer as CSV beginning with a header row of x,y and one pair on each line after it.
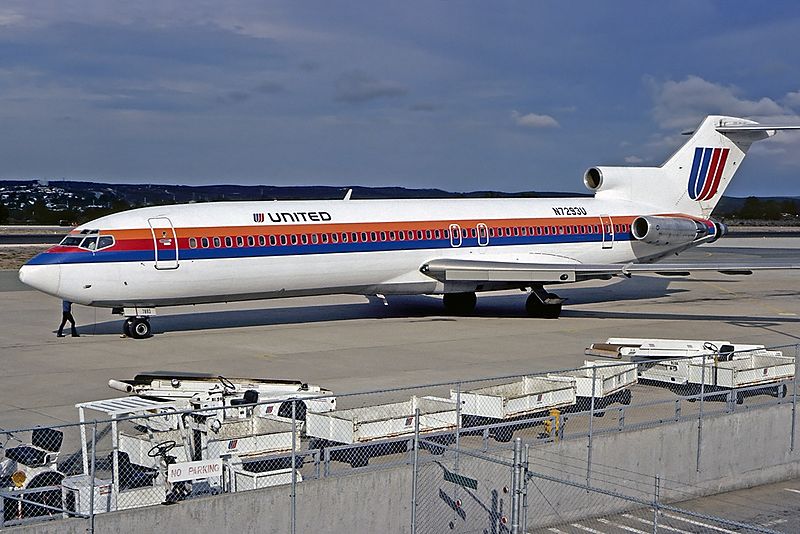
x,y
524,521
92,476
294,467
591,428
656,496
794,396
414,473
458,424
700,415
516,485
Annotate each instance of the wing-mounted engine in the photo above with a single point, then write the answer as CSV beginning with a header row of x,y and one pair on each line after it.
x,y
663,230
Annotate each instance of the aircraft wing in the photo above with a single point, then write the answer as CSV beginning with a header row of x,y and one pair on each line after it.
x,y
449,270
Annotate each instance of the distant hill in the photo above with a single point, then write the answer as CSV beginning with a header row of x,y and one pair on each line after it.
x,y
67,201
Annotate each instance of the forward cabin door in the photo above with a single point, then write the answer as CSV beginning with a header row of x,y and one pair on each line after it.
x,y
607,229
165,243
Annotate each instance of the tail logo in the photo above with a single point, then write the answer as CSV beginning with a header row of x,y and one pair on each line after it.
x,y
706,172
258,217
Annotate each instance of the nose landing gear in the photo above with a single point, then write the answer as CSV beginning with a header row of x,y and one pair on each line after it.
x,y
137,322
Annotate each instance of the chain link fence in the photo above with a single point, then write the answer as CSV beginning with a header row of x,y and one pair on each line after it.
x,y
507,454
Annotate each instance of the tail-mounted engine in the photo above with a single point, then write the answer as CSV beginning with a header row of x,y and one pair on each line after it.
x,y
663,231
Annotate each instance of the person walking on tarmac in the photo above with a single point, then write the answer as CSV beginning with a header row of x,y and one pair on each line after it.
x,y
66,315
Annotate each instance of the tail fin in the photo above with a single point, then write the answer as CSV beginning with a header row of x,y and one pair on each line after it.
x,y
693,180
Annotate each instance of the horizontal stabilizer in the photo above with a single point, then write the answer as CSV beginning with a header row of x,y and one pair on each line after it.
x,y
754,128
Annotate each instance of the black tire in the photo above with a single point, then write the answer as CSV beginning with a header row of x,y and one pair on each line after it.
x,y
459,303
503,435
535,308
140,328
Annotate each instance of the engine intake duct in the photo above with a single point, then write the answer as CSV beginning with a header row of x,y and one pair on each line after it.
x,y
663,231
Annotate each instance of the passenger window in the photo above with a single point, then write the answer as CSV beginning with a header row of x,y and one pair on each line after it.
x,y
473,232
262,241
373,236
575,229
251,241
427,234
334,237
283,240
239,241
344,237
437,234
314,239
354,237
293,239
383,236
392,236
363,237
204,242
523,230
217,242
446,234
192,242
272,240
304,239
419,235
228,241
401,235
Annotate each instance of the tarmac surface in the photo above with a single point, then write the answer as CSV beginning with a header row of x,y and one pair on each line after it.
x,y
349,343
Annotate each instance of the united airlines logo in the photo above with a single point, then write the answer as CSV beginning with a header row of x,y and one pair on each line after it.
x,y
258,217
706,172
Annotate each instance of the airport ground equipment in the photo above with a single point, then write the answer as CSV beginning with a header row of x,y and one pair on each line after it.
x,y
201,391
381,422
651,348
29,471
522,399
607,382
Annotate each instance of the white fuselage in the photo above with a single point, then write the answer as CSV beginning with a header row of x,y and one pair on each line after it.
x,y
229,251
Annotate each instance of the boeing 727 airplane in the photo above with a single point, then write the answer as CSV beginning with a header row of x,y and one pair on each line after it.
x,y
146,258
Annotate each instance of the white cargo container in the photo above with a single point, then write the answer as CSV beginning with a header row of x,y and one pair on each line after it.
x,y
516,399
361,425
745,370
609,378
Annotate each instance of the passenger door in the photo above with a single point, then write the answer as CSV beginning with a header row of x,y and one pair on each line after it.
x,y
165,243
607,229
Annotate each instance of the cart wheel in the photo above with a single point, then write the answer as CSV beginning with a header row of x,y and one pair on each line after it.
x,y
503,435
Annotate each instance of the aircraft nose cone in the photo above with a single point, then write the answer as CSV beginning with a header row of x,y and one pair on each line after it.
x,y
45,278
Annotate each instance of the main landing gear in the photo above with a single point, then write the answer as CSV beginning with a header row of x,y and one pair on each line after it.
x,y
542,304
137,327
459,303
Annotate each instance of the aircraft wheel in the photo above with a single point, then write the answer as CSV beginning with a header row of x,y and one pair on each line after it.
x,y
536,308
459,303
140,328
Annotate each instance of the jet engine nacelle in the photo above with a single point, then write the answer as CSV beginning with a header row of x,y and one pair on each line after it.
x,y
655,230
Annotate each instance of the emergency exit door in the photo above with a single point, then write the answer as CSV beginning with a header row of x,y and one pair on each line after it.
x,y
165,243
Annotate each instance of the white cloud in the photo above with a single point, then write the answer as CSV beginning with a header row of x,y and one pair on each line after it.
x,y
683,104
633,160
792,100
532,120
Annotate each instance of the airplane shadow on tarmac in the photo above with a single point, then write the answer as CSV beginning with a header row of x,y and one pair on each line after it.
x,y
417,307
400,306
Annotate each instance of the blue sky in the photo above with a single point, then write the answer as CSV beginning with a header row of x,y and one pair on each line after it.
x,y
456,95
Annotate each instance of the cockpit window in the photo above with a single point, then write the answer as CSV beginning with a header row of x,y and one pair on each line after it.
x,y
90,243
105,241
71,241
